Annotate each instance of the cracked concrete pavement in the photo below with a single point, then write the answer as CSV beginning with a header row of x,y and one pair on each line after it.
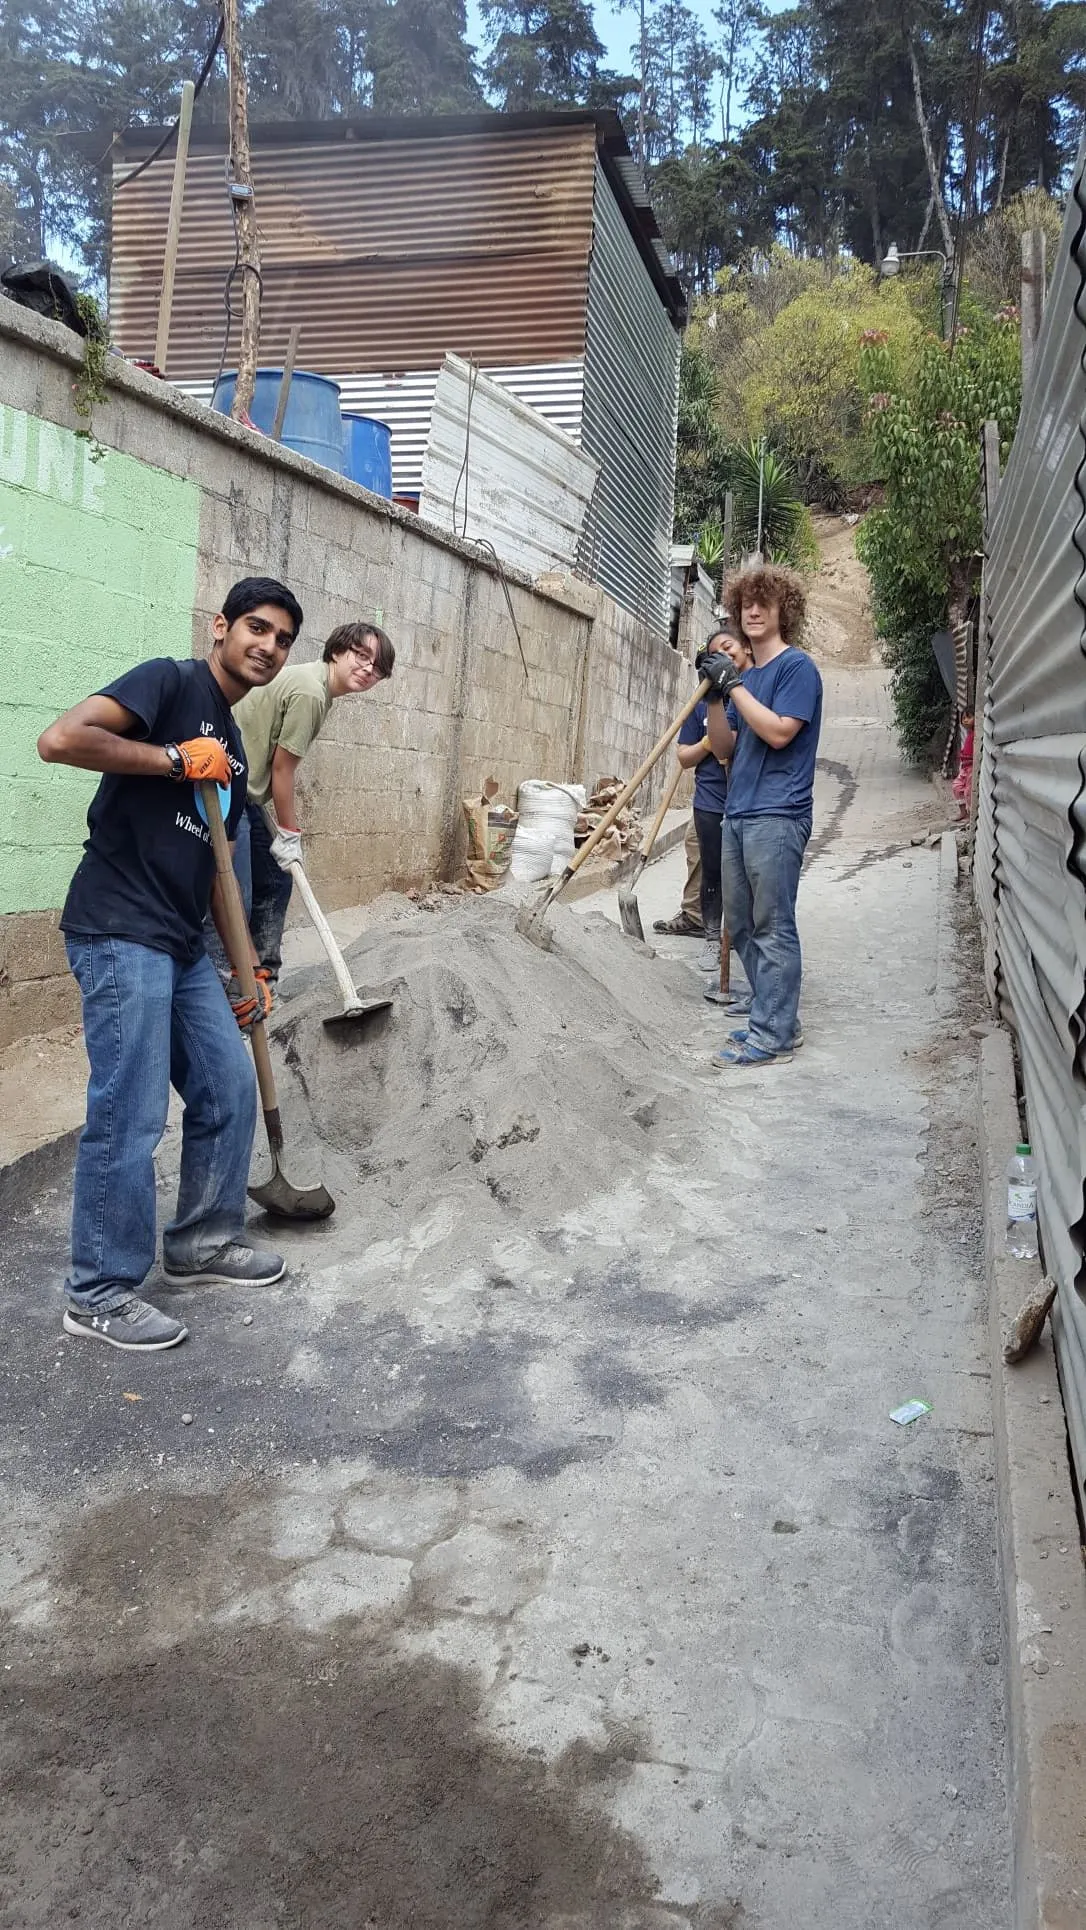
x,y
587,1585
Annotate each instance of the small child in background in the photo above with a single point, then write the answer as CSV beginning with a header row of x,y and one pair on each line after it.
x,y
962,786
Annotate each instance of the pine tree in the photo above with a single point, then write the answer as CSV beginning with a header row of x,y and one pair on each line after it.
x,y
421,60
544,53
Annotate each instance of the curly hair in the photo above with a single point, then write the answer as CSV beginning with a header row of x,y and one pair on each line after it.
x,y
770,584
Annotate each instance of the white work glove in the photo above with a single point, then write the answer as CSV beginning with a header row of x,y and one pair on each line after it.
x,y
286,848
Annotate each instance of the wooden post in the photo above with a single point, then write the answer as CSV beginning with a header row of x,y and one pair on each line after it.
x,y
241,194
173,227
1033,300
285,381
729,528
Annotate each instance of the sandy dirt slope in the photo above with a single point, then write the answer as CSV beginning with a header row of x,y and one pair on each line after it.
x,y
839,625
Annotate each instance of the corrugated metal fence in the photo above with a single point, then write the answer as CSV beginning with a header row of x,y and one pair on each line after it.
x,y
1030,853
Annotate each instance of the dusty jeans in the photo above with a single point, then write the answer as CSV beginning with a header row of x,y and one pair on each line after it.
x,y
150,1022
761,859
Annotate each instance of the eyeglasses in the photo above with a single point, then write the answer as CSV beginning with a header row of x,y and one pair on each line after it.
x,y
362,653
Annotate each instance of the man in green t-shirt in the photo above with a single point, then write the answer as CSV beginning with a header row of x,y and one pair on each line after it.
x,y
277,732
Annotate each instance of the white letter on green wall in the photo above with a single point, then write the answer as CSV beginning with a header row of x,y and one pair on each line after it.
x,y
56,462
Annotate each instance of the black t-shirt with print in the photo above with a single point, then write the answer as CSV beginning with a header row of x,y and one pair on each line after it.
x,y
148,867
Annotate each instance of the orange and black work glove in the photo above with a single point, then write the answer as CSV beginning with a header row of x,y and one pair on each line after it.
x,y
247,1011
205,760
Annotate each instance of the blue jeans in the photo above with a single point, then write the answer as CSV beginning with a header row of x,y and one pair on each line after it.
x,y
265,893
149,1023
760,863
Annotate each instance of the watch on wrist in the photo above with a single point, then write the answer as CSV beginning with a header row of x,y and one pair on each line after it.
x,y
177,762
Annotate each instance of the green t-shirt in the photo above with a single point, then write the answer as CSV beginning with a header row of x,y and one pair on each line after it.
x,y
289,712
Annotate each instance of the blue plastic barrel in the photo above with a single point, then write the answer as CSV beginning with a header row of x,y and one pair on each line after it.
x,y
311,425
367,453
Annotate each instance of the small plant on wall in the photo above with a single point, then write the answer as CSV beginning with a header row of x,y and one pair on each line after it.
x,y
89,387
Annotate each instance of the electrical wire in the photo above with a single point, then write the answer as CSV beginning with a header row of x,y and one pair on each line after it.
x,y
237,267
171,132
479,542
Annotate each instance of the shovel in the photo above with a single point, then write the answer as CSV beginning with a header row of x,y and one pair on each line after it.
x,y
278,1196
627,894
355,1007
530,917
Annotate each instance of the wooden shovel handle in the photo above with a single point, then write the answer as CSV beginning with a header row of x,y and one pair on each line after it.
x,y
347,990
634,784
665,806
237,932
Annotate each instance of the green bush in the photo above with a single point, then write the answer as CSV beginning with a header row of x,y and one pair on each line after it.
x,y
922,546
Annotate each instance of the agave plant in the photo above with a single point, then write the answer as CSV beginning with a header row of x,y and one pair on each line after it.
x,y
710,543
758,472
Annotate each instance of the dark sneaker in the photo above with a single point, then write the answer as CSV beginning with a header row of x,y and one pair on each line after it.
x,y
134,1325
681,926
233,1265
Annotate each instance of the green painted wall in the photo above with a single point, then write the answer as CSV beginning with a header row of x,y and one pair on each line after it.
x,y
97,573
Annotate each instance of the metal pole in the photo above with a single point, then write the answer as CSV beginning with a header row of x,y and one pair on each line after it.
x,y
761,496
641,96
173,227
1033,299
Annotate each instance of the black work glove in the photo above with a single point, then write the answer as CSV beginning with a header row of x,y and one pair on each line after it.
x,y
719,672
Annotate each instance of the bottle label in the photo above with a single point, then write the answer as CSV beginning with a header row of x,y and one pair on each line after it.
x,y
1021,1202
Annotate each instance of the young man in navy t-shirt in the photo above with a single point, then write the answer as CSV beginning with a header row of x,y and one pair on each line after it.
x,y
154,1010
768,724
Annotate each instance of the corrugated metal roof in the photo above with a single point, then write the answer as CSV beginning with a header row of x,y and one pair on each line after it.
x,y
405,401
1031,841
390,253
497,472
630,415
393,241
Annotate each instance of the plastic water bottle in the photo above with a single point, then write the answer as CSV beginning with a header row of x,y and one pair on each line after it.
x,y
1022,1204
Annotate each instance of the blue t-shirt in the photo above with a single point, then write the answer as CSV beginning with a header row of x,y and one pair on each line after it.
x,y
768,783
148,867
710,777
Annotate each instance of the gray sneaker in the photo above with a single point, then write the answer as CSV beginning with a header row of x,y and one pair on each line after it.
x,y
709,955
233,1265
134,1325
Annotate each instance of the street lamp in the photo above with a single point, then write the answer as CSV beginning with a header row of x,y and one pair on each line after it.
x,y
891,266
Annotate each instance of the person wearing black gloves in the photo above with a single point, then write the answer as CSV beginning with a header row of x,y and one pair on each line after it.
x,y
767,722
710,799
154,1010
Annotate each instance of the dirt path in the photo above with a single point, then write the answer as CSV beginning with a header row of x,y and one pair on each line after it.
x,y
540,1554
839,626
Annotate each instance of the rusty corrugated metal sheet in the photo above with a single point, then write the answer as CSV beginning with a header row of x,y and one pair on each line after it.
x,y
1032,830
389,252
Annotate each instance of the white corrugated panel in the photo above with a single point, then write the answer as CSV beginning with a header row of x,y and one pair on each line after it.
x,y
405,401
496,471
1031,833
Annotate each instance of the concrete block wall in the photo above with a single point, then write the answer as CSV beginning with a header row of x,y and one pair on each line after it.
x,y
106,563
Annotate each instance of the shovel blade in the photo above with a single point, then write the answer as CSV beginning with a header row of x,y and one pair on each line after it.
x,y
627,902
354,1014
629,913
286,1202
530,921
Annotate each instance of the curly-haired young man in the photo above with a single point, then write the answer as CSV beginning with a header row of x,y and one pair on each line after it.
x,y
767,721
